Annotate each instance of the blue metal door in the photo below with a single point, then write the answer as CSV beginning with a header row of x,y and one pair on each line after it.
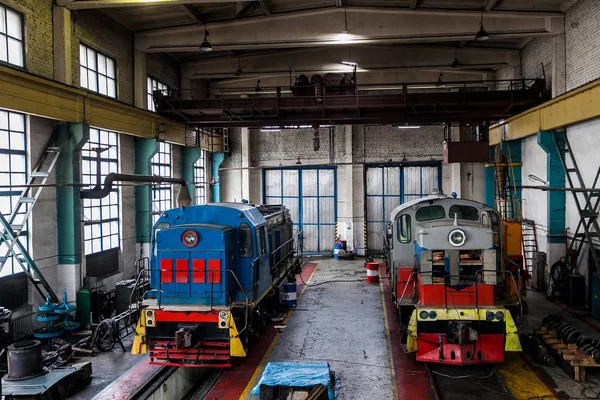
x,y
310,195
388,186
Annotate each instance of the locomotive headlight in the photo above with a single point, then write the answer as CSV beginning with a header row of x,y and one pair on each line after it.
x,y
189,238
457,237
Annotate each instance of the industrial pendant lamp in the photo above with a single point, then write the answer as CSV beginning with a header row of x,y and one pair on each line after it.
x,y
239,71
205,46
456,63
482,35
257,89
440,82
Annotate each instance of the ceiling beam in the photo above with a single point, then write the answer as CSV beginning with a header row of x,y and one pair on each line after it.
x,y
567,4
90,4
365,24
246,9
190,13
489,5
265,7
375,58
339,3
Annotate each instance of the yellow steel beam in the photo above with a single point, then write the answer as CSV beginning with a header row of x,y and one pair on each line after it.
x,y
31,94
575,106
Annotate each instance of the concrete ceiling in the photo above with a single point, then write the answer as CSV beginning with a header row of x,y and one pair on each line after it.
x,y
390,40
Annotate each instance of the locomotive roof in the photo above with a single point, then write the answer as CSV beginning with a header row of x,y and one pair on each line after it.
x,y
433,198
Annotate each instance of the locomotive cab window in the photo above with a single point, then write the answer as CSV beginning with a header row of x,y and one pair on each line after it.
x,y
261,241
159,227
429,213
464,212
245,240
404,228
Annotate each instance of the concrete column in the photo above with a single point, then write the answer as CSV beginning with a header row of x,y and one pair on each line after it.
x,y
556,199
62,32
559,65
489,183
68,208
456,170
346,194
245,163
144,149
215,164
139,79
189,156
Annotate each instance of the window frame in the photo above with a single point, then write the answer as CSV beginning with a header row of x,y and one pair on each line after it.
x,y
11,195
151,83
404,237
5,36
200,176
249,236
108,162
465,207
158,165
97,72
436,206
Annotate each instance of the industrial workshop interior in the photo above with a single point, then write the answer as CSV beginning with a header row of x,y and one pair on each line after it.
x,y
299,199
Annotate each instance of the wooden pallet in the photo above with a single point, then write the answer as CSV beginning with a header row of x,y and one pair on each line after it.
x,y
568,352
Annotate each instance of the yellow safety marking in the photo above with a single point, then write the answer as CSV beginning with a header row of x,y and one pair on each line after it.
x,y
139,341
236,348
263,361
389,342
512,342
411,339
521,381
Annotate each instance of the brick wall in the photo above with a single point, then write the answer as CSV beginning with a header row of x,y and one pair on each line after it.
x,y
97,30
582,24
37,15
537,53
164,68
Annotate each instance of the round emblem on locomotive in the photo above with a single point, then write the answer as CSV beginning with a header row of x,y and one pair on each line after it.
x,y
189,238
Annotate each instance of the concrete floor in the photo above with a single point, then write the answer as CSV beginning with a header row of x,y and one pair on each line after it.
x,y
341,323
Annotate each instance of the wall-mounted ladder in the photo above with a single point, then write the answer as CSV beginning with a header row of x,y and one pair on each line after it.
x,y
13,226
530,245
587,203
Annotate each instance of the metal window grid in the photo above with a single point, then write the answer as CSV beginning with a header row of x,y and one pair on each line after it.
x,y
152,85
161,194
100,216
13,171
12,47
97,72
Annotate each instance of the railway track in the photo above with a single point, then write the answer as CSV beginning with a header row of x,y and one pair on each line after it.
x,y
203,387
465,383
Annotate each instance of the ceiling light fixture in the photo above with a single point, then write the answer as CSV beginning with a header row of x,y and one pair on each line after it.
x,y
257,89
345,35
440,82
239,71
482,35
205,46
350,63
456,63
408,127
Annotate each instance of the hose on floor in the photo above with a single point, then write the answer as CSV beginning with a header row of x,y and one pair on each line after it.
x,y
106,335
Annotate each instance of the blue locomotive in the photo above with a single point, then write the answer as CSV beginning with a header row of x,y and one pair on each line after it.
x,y
216,272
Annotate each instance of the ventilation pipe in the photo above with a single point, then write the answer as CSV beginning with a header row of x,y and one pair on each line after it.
x,y
184,198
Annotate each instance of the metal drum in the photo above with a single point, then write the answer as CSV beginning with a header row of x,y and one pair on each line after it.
x,y
24,360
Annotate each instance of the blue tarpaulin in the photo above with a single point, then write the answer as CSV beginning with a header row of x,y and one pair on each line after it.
x,y
296,374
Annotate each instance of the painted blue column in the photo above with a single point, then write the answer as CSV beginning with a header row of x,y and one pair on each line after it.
x,y
556,178
489,182
512,152
189,156
144,151
68,207
217,160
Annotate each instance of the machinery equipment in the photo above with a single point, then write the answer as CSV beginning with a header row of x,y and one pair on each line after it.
x,y
215,273
457,302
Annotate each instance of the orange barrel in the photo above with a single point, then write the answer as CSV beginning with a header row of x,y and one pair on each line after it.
x,y
373,272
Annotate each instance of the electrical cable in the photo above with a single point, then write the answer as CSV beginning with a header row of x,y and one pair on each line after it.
x,y
106,335
463,376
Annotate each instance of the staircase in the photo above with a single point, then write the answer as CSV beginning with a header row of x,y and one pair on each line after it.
x,y
15,224
530,245
587,204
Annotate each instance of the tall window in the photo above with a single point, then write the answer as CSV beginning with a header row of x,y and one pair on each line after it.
x,y
100,216
13,172
12,50
161,194
98,72
199,180
151,86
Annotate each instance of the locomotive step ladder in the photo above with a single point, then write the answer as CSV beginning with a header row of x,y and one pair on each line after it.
x,y
12,227
530,245
587,204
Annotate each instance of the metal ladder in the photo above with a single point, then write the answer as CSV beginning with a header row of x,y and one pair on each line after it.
x,y
587,228
530,245
12,227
